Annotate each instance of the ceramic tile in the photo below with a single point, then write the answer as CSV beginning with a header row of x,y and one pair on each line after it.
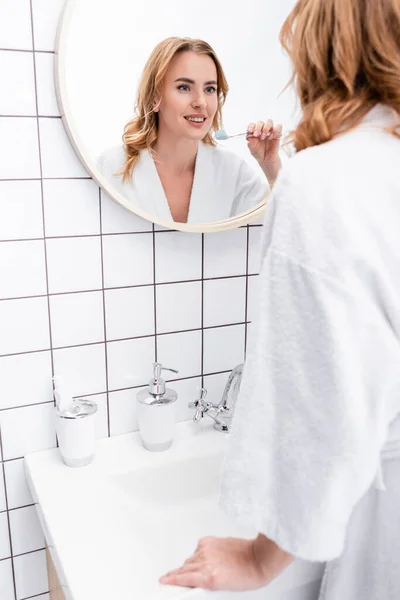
x,y
18,83
77,319
181,351
27,429
15,25
46,16
117,219
74,264
3,504
223,348
19,148
18,492
178,306
6,576
252,297
178,256
47,101
83,367
5,551
71,207
224,301
20,210
32,371
130,362
31,574
58,157
215,385
123,413
26,531
24,325
101,415
22,269
225,253
254,250
128,259
129,312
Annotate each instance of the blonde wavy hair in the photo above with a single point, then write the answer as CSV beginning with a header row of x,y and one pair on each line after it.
x,y
141,132
346,59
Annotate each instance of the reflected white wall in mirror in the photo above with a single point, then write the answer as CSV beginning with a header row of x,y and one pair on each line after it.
x,y
102,50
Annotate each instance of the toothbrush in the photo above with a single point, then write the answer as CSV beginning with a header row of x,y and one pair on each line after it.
x,y
221,135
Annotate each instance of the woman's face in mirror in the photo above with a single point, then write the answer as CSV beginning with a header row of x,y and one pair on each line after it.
x,y
190,97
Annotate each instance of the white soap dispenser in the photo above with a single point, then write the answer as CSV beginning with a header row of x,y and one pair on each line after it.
x,y
156,412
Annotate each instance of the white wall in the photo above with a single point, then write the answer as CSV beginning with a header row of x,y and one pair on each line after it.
x,y
89,290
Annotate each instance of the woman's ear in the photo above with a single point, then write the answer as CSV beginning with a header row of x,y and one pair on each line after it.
x,y
157,106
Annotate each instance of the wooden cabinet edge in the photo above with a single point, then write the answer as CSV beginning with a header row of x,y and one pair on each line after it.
x,y
56,592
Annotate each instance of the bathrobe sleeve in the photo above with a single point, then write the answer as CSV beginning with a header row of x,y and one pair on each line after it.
x,y
251,189
310,420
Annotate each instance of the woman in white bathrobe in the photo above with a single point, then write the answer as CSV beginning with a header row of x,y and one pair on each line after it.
x,y
170,165
313,463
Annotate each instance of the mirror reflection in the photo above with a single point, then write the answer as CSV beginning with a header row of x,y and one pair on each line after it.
x,y
171,163
182,120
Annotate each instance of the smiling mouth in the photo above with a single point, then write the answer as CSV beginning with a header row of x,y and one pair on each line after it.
x,y
196,119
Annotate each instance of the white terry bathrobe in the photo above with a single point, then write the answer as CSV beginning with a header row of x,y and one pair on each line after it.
x,y
313,461
224,184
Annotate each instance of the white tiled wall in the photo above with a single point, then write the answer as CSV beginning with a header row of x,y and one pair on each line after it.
x,y
89,290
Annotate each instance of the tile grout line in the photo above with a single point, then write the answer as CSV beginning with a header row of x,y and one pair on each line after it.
x,y
104,313
30,116
46,270
44,178
29,51
202,309
8,516
155,295
42,196
128,339
27,405
19,507
85,178
135,387
36,596
123,287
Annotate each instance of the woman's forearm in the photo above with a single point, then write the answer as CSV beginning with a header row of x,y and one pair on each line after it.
x,y
271,559
271,171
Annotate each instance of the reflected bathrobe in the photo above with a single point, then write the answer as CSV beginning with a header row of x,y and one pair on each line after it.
x,y
313,461
224,184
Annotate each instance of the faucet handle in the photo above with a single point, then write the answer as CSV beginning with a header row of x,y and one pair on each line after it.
x,y
203,394
199,401
198,415
200,406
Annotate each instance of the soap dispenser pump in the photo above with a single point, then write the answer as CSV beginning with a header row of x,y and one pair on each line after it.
x,y
156,412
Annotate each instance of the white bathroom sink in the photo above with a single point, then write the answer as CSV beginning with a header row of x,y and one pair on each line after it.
x,y
115,526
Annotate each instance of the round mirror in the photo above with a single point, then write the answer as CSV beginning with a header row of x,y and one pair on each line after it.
x,y
157,99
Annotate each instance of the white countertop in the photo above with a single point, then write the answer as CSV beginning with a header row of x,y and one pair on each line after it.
x,y
115,526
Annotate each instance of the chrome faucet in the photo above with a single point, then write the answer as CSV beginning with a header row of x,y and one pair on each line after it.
x,y
226,406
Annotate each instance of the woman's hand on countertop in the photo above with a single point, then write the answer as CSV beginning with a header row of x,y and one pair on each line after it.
x,y
230,564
